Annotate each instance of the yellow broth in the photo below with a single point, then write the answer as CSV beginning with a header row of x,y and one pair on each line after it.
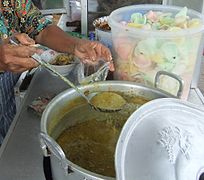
x,y
90,143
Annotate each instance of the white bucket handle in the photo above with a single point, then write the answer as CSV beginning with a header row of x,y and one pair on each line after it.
x,y
174,76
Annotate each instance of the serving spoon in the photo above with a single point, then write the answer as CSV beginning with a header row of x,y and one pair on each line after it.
x,y
103,101
96,100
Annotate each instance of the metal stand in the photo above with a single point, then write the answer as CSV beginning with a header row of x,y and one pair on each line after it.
x,y
64,10
84,17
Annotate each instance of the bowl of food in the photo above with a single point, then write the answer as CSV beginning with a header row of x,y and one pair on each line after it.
x,y
62,62
103,31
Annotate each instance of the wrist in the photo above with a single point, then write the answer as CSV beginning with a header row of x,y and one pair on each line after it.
x,y
75,45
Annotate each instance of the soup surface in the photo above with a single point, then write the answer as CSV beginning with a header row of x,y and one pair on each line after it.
x,y
90,141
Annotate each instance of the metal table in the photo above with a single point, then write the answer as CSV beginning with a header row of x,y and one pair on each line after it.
x,y
20,155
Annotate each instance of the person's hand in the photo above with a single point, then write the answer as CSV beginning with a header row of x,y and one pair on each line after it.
x,y
17,58
92,51
24,39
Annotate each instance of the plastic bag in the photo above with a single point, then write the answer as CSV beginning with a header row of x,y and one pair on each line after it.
x,y
92,73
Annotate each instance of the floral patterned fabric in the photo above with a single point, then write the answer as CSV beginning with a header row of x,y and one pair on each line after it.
x,y
20,16
16,16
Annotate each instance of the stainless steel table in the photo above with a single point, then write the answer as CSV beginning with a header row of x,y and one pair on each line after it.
x,y
20,155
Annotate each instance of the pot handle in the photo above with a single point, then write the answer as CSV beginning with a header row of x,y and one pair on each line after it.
x,y
48,144
174,76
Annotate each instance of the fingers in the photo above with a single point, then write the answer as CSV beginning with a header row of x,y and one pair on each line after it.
x,y
85,51
20,51
24,39
39,51
91,51
104,53
17,58
16,69
26,51
101,51
108,57
21,64
111,66
29,63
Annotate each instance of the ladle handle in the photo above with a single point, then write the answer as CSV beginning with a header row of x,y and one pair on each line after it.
x,y
174,76
38,59
48,66
48,144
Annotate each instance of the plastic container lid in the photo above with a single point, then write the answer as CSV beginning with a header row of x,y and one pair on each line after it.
x,y
162,140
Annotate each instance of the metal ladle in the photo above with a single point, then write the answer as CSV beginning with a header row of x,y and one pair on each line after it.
x,y
92,99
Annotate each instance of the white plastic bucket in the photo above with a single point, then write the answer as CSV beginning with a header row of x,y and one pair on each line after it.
x,y
103,36
188,45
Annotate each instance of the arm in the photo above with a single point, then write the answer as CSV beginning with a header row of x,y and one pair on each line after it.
x,y
37,27
88,51
55,38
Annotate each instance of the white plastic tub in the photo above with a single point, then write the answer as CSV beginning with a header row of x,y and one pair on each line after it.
x,y
128,42
103,36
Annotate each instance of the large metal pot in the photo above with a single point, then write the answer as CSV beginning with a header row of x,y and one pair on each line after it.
x,y
62,168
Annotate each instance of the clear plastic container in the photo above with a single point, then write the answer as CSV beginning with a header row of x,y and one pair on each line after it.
x,y
103,35
186,46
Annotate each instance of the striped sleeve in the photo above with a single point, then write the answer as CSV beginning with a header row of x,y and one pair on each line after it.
x,y
7,102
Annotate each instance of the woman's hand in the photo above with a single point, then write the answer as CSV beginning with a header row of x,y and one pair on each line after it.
x,y
88,51
92,51
17,58
24,39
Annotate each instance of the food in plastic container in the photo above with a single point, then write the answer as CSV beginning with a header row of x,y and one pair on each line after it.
x,y
103,31
151,38
63,59
62,63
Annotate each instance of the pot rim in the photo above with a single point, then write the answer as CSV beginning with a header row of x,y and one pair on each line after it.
x,y
90,87
97,84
